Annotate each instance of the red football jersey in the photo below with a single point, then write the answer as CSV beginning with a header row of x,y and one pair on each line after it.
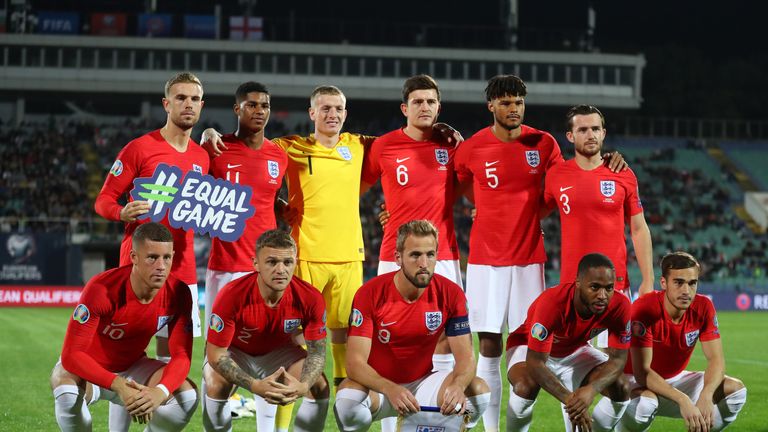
x,y
110,329
263,171
139,158
418,182
241,319
590,202
553,326
507,184
672,343
405,333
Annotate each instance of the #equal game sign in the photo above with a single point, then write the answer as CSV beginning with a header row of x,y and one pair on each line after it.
x,y
430,419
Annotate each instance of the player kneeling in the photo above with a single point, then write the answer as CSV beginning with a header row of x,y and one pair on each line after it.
x,y
666,325
550,351
395,323
250,341
103,355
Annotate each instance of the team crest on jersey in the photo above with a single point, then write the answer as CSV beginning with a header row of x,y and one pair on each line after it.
x,y
81,314
117,168
356,318
533,158
273,168
441,155
162,320
344,152
290,325
691,338
539,332
216,323
433,320
596,331
607,188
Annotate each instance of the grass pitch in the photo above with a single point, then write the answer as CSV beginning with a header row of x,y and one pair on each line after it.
x,y
31,338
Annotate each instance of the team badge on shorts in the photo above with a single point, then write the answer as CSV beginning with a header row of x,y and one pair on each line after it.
x,y
433,320
691,338
441,155
216,323
273,168
290,325
638,329
607,188
344,152
356,318
81,314
539,332
533,158
163,320
117,168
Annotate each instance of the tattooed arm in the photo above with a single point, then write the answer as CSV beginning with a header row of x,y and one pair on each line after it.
x,y
269,388
314,364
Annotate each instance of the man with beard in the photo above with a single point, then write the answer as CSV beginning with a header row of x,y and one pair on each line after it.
x,y
395,323
665,327
550,350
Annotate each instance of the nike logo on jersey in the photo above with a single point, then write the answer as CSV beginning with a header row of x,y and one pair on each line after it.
x,y
387,324
230,166
563,189
398,160
489,164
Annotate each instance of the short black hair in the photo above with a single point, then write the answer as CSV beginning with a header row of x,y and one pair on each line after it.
x,y
419,82
594,260
152,231
505,85
275,238
678,260
582,110
249,87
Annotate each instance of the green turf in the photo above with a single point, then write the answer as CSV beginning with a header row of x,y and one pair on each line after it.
x,y
31,340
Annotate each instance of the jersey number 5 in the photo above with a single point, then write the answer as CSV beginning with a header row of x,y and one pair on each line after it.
x,y
489,174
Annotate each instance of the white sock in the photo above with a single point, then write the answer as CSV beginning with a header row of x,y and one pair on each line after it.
x,y
174,414
443,362
119,419
265,414
568,427
389,424
519,412
311,415
217,415
639,414
164,359
352,410
727,409
607,413
71,410
477,404
488,370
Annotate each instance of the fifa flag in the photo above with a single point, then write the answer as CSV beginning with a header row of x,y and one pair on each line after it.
x,y
246,28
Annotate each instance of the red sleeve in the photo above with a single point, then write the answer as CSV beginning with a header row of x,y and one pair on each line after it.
x,y
632,204
314,320
371,168
619,333
458,317
549,198
119,181
545,320
556,156
221,326
81,331
710,330
461,163
642,323
179,341
361,319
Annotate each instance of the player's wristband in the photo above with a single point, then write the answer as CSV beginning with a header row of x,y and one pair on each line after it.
x,y
164,389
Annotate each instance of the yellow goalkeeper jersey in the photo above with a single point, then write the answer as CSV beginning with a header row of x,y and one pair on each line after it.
x,y
324,187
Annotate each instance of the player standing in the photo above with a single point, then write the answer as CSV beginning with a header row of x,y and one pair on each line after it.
x,y
103,356
250,341
395,324
665,327
550,350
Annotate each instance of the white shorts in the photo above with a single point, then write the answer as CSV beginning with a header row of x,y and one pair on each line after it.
x,y
194,314
141,372
501,296
446,268
690,383
424,390
214,282
570,370
262,366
